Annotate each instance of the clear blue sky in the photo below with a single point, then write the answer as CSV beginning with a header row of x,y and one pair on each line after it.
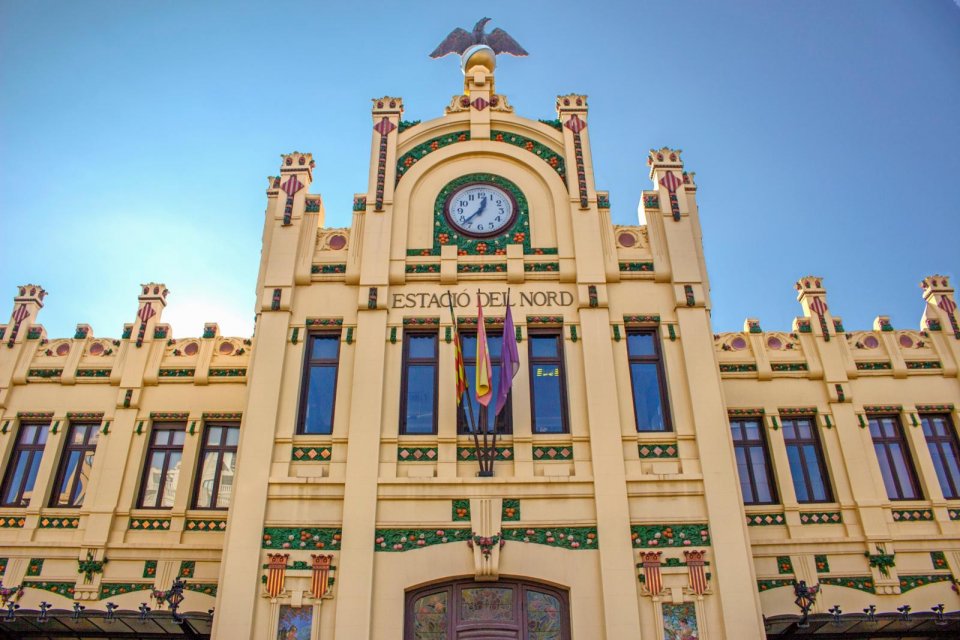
x,y
136,137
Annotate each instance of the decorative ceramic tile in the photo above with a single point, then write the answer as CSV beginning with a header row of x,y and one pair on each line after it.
x,y
149,524
510,512
59,523
784,565
470,453
912,515
64,589
765,519
670,535
821,517
823,565
111,589
150,569
416,454
657,450
311,454
408,539
296,538
912,582
555,452
861,583
460,510
564,537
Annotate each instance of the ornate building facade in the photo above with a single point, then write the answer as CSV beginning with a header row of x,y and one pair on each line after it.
x,y
650,479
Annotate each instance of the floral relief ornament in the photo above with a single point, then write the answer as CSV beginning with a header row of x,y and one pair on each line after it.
x,y
486,543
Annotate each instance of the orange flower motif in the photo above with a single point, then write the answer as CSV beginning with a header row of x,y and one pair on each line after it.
x,y
461,138
434,145
408,161
481,247
519,237
443,238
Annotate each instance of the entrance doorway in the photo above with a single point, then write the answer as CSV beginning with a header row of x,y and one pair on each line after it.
x,y
467,610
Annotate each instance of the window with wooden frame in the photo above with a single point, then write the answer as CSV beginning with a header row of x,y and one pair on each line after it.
x,y
24,463
753,461
648,383
418,393
944,450
76,463
811,482
318,391
218,465
162,469
548,381
503,422
893,455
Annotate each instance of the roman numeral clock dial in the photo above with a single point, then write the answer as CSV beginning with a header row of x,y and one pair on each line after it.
x,y
480,210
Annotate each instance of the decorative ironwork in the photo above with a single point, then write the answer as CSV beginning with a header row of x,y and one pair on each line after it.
x,y
806,596
172,597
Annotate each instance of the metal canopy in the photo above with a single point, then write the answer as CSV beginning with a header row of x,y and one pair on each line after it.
x,y
858,626
61,624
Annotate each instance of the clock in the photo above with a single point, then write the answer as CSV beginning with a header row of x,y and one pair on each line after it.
x,y
480,210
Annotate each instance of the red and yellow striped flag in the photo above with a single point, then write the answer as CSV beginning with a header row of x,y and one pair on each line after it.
x,y
321,573
461,373
276,573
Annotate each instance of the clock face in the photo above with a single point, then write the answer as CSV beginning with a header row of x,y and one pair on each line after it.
x,y
480,210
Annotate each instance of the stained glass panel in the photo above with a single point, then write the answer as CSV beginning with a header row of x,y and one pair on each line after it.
x,y
430,617
487,604
543,616
680,622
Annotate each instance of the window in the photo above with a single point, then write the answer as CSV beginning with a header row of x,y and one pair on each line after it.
x,y
73,477
548,383
494,342
319,389
162,470
218,464
24,462
646,376
810,479
942,442
418,399
899,476
753,462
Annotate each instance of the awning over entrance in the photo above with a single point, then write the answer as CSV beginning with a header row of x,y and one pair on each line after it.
x,y
60,624
859,626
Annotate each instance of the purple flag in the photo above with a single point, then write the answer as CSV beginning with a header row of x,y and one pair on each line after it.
x,y
509,360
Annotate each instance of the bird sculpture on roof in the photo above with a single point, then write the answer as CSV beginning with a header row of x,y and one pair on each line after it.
x,y
460,40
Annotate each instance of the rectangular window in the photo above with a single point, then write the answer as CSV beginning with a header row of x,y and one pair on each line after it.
x,y
548,382
504,422
73,477
648,381
899,476
24,462
418,395
810,479
218,464
753,462
945,451
162,470
319,389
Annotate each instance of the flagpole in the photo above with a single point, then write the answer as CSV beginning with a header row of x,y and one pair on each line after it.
x,y
465,400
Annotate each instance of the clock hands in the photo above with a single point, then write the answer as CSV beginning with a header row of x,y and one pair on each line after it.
x,y
483,205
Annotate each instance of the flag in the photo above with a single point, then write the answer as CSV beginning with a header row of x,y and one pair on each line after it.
x,y
458,355
698,574
651,572
509,360
276,572
321,572
484,385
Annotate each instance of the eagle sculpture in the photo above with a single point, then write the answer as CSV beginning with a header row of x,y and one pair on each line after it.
x,y
460,40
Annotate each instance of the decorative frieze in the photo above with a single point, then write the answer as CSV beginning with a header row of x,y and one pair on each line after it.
x,y
113,589
465,454
205,525
416,454
59,523
430,323
821,517
934,408
176,373
325,322
738,368
540,267
766,585
557,452
227,373
912,582
784,565
657,450
166,416
65,589
328,269
93,373
631,267
311,454
789,367
873,366
44,373
149,524
924,364
861,583
670,535
545,320
572,538
797,411
432,267
641,320
510,511
765,519
207,588
488,267
460,510
297,538
823,565
912,515
12,522
408,539
745,413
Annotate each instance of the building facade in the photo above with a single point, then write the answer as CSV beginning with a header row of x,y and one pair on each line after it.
x,y
651,479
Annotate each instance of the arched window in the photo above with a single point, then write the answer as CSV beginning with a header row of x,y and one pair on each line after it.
x,y
464,609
